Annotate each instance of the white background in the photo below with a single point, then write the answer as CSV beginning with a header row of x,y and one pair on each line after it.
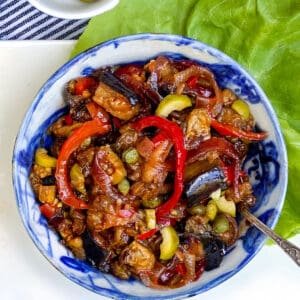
x,y
24,273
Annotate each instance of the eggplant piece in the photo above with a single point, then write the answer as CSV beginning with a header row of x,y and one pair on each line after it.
x,y
48,180
199,188
214,249
116,84
77,105
109,137
95,255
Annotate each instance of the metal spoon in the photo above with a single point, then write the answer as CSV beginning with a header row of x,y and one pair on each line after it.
x,y
289,248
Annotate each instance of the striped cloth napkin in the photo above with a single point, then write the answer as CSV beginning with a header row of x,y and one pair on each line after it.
x,y
19,20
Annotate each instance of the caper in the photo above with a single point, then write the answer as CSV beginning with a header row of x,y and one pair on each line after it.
x,y
130,156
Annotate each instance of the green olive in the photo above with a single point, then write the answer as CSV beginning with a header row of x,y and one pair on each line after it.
x,y
221,224
198,209
152,203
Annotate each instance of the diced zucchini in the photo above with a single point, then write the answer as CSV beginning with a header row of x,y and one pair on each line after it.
x,y
216,194
43,159
124,186
170,242
150,218
86,142
211,210
172,102
77,179
242,108
226,206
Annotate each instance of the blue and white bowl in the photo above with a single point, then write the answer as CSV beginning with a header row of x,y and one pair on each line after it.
x,y
266,163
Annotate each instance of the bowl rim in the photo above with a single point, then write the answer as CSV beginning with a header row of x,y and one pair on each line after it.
x,y
214,52
81,14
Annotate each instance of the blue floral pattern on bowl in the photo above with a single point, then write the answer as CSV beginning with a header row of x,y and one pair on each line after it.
x,y
266,163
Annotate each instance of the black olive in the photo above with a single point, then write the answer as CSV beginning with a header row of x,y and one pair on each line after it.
x,y
214,249
48,180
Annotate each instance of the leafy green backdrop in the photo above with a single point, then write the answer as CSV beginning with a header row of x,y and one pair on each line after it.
x,y
262,35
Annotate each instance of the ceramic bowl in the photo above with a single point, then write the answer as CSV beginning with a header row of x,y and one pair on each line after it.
x,y
73,9
266,163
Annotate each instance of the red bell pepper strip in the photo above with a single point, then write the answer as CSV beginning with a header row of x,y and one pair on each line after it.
x,y
97,112
228,130
68,119
117,122
132,70
192,81
181,269
84,83
48,210
174,132
222,146
147,234
89,128
160,137
200,267
229,172
163,221
203,92
166,221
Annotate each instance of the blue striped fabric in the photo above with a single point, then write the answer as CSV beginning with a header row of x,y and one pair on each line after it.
x,y
19,20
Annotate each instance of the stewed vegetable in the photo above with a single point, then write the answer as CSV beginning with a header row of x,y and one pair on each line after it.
x,y
144,173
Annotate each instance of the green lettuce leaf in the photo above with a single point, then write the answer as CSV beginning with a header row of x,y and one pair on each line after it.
x,y
262,35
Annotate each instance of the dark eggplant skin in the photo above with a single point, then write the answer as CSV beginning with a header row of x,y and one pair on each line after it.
x,y
116,84
48,180
199,188
95,256
214,249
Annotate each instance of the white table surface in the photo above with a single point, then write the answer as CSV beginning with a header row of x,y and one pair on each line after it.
x,y
24,273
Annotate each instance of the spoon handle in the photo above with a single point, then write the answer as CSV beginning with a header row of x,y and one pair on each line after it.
x,y
289,248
